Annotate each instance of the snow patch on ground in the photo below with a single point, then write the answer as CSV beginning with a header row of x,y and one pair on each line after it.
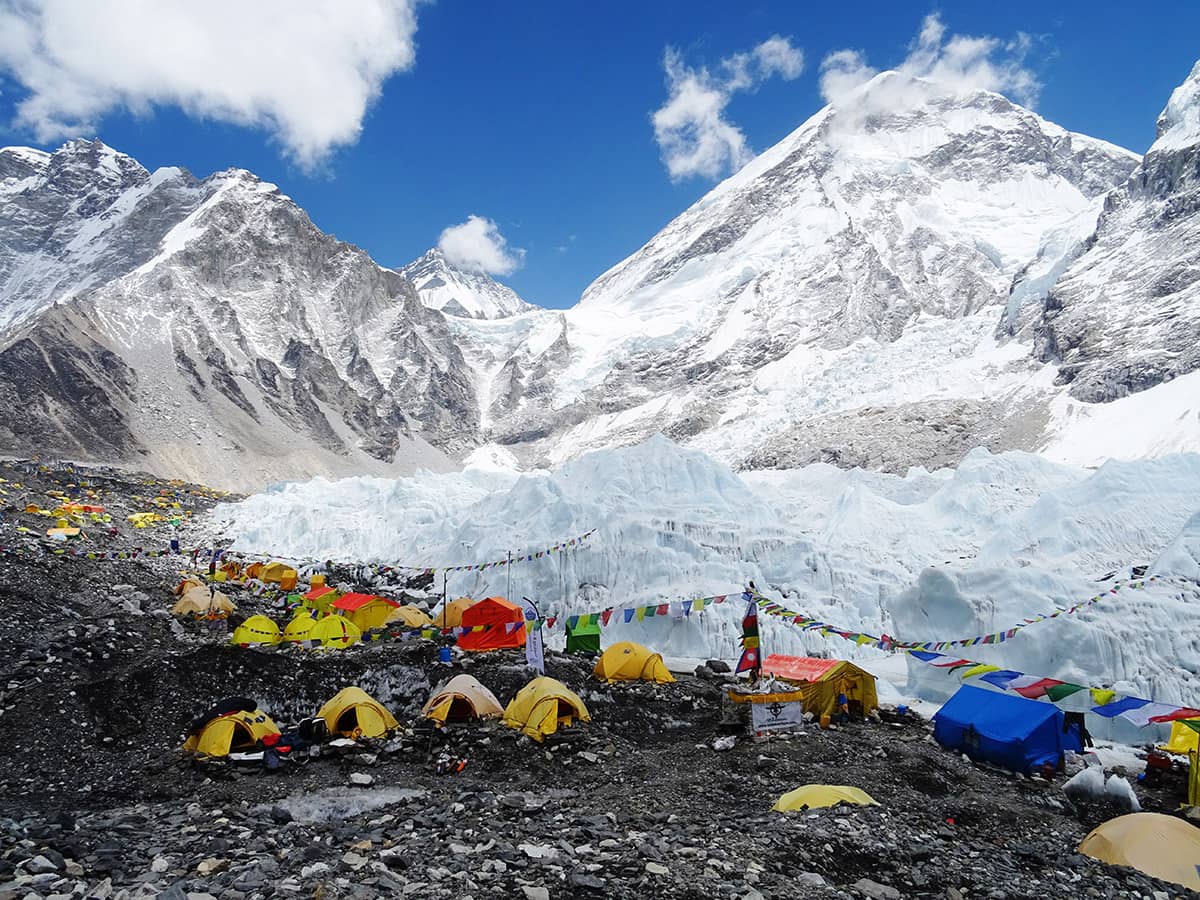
x,y
1160,420
338,804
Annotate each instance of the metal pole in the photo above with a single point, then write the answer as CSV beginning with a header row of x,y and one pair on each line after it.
x,y
508,590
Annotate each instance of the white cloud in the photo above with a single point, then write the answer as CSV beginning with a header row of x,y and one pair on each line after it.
x,y
955,65
478,246
777,56
693,134
305,72
841,73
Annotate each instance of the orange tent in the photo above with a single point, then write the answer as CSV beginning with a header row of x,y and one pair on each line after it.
x,y
500,624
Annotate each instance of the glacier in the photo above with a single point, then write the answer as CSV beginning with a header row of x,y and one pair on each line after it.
x,y
928,555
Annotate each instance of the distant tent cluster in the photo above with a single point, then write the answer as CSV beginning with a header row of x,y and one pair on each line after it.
x,y
276,573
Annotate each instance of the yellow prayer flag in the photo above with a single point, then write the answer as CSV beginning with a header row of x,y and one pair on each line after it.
x,y
981,669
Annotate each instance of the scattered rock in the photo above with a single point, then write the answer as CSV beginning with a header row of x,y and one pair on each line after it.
x,y
875,890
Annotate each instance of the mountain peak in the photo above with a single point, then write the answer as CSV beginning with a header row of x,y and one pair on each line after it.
x,y
97,157
1179,122
457,292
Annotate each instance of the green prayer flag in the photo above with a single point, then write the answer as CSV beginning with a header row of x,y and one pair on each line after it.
x,y
1059,691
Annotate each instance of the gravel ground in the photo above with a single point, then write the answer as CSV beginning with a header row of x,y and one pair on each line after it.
x,y
98,685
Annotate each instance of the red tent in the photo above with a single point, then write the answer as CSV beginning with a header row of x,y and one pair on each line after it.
x,y
504,625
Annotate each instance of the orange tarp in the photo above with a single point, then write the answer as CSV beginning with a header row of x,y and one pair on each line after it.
x,y
797,668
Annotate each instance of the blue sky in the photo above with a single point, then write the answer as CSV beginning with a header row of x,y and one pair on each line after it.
x,y
538,115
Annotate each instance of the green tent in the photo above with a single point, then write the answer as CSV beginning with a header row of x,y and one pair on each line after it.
x,y
583,636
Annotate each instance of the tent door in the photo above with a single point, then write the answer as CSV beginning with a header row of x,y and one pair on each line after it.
x,y
241,740
461,710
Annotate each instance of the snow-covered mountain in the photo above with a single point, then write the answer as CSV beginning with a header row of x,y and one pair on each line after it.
x,y
208,328
838,298
457,292
912,273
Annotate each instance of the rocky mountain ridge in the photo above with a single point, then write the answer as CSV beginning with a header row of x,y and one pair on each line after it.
x,y
243,346
1125,315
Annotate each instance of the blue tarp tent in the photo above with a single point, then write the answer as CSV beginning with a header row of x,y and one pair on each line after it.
x,y
1004,729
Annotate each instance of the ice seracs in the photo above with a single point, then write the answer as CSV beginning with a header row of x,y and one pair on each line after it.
x,y
931,555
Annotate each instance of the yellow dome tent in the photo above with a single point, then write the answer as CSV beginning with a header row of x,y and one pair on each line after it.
x,y
451,615
187,583
335,632
627,661
198,601
299,629
353,713
1156,845
462,697
235,732
272,572
257,630
1184,739
542,705
409,616
817,796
